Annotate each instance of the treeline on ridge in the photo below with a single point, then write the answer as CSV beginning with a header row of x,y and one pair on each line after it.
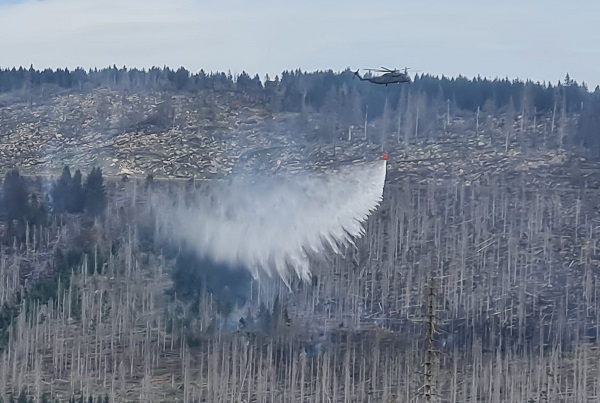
x,y
296,90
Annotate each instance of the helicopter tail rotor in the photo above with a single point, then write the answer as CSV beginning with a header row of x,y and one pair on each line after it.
x,y
410,68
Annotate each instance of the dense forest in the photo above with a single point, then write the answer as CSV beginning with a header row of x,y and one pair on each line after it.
x,y
504,271
294,90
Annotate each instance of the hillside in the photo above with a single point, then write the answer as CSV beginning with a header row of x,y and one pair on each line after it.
x,y
212,134
477,276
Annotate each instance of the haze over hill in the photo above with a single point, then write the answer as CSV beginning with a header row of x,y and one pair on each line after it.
x,y
480,263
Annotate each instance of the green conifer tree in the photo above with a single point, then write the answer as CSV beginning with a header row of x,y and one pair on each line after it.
x,y
60,191
76,197
37,213
14,196
95,193
22,397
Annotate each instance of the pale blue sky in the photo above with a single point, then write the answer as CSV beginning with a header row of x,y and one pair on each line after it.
x,y
541,40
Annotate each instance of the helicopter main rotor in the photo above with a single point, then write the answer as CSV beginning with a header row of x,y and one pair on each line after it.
x,y
388,70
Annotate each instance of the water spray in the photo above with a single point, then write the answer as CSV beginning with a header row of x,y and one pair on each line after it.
x,y
271,224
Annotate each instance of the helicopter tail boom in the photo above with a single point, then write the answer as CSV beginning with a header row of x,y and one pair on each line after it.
x,y
358,75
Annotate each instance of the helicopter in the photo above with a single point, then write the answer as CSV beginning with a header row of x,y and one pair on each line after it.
x,y
389,76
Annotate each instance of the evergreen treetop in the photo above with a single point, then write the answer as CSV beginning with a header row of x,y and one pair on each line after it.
x,y
95,193
14,196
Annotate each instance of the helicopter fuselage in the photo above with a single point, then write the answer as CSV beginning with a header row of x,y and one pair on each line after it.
x,y
387,78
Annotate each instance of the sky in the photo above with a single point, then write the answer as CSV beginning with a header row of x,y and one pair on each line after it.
x,y
526,39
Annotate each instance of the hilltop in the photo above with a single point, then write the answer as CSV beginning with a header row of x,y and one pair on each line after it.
x,y
488,226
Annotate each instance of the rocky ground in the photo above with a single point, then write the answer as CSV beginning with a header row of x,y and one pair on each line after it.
x,y
213,135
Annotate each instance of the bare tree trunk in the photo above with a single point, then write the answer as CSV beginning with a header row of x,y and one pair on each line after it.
x,y
417,117
553,117
562,122
399,124
366,120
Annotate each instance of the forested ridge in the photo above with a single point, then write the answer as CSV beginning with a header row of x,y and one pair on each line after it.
x,y
297,88
476,277
296,106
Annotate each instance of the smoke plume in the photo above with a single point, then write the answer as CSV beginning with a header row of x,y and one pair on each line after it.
x,y
270,225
